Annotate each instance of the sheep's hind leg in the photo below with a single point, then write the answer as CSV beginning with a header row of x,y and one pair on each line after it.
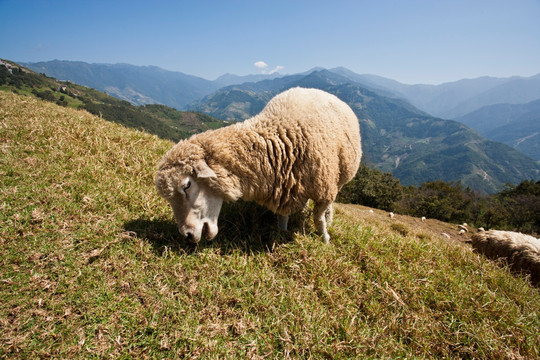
x,y
320,212
282,222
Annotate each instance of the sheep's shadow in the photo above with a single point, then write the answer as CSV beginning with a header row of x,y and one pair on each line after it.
x,y
243,226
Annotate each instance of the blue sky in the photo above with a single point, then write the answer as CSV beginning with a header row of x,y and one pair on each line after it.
x,y
412,41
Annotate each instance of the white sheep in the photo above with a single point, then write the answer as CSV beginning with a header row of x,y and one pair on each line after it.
x,y
521,251
391,215
423,219
305,144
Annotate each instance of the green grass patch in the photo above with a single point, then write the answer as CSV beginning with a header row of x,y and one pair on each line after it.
x,y
91,266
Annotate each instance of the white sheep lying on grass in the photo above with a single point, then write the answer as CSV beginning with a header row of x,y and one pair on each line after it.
x,y
305,144
521,251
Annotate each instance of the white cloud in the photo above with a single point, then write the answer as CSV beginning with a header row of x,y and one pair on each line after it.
x,y
261,65
276,69
263,68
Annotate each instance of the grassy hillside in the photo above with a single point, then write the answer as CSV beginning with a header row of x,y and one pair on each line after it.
x,y
161,120
91,266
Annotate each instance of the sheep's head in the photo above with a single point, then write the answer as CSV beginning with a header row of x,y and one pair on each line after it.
x,y
196,207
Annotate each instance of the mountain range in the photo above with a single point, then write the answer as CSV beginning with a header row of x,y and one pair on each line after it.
x,y
140,85
455,99
397,137
517,125
400,134
150,84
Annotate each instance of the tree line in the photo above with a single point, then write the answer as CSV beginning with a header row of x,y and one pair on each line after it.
x,y
516,207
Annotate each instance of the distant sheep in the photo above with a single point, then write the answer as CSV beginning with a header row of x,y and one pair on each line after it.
x,y
521,251
391,215
305,144
423,218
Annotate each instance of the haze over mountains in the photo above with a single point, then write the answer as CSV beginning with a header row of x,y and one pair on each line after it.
x,y
517,125
402,125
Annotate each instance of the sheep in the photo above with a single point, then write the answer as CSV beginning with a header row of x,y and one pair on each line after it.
x,y
391,215
463,228
521,251
423,219
305,144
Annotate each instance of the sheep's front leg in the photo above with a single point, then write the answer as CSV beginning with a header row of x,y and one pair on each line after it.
x,y
320,212
282,222
329,214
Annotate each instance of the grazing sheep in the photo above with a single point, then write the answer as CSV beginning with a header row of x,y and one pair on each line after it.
x,y
391,215
305,144
463,228
521,251
423,219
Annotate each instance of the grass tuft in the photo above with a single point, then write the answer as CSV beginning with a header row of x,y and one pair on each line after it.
x,y
92,266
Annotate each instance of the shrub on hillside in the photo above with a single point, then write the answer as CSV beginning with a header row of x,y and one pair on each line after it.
x,y
439,200
373,188
522,203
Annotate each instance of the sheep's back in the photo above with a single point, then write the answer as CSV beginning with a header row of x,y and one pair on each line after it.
x,y
521,251
319,126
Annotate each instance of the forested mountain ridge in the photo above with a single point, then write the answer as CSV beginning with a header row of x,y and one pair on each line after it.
x,y
517,125
140,85
161,120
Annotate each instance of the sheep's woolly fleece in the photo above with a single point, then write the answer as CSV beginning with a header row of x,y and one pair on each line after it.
x,y
305,144
522,251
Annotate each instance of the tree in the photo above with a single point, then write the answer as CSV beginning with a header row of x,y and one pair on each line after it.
x,y
373,188
440,200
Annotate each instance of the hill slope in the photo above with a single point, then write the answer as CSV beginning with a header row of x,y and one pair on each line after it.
x,y
396,137
91,266
140,85
517,125
157,119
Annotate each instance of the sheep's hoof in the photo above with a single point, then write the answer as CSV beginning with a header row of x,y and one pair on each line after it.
x,y
326,238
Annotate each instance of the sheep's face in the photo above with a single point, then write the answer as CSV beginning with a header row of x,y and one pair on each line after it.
x,y
196,208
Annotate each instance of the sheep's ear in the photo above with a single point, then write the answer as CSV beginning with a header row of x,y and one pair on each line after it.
x,y
203,170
